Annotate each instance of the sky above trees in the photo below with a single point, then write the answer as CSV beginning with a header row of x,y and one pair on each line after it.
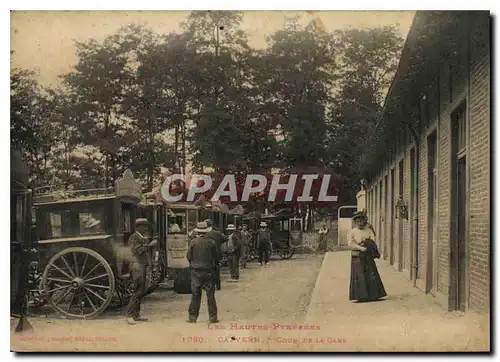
x,y
44,40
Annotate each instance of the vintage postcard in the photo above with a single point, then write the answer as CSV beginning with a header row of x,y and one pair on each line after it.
x,y
261,181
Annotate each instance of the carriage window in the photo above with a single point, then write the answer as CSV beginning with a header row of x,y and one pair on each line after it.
x,y
127,223
177,223
296,225
347,213
91,222
56,224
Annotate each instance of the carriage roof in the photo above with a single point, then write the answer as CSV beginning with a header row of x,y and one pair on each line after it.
x,y
126,188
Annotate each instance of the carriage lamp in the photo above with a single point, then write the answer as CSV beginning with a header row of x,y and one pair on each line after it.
x,y
401,209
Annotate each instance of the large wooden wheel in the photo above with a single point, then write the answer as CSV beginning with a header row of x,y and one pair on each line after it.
x,y
285,253
78,283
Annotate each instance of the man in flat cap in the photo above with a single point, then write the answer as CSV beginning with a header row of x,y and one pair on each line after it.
x,y
140,246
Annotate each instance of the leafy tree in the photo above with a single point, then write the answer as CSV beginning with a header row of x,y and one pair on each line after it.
x,y
101,79
30,130
368,59
297,78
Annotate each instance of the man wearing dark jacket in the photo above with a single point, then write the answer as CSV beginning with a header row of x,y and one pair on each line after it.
x,y
219,239
234,252
140,246
264,243
216,235
202,256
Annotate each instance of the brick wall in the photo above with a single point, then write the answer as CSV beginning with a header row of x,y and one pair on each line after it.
x,y
480,167
466,76
423,209
444,163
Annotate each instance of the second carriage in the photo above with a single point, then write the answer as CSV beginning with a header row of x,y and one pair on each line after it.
x,y
286,232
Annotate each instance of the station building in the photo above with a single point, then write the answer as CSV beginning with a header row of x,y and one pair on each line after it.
x,y
430,156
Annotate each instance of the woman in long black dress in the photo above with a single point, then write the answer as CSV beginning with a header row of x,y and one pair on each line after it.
x,y
366,284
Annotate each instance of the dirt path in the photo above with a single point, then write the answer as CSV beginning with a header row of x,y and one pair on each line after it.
x,y
264,302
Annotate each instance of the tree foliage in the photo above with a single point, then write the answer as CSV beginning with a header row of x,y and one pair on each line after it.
x,y
205,98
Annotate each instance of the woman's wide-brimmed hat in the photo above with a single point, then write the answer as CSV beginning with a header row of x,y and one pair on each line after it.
x,y
263,223
230,227
92,222
359,215
141,221
202,227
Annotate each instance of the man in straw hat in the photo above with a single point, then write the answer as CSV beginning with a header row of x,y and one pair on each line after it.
x,y
140,247
264,243
203,258
233,245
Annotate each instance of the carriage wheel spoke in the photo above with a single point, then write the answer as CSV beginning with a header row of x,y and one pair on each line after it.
x,y
76,264
64,296
63,287
67,266
97,277
94,293
97,286
90,300
62,271
84,263
59,280
90,272
72,301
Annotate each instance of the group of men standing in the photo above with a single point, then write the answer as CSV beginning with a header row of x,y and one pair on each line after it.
x,y
205,251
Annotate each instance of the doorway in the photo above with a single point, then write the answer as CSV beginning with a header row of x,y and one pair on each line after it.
x,y
402,261
459,247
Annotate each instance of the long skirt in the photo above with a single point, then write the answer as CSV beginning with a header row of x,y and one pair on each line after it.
x,y
366,284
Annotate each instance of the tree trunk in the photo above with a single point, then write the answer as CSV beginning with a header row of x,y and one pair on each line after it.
x,y
176,147
106,155
152,163
183,137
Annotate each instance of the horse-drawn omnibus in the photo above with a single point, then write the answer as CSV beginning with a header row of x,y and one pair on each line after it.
x,y
82,246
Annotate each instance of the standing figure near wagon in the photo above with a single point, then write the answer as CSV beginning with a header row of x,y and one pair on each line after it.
x,y
141,257
233,250
322,245
264,243
245,241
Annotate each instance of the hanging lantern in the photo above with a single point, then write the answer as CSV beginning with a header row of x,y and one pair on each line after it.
x,y
401,209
